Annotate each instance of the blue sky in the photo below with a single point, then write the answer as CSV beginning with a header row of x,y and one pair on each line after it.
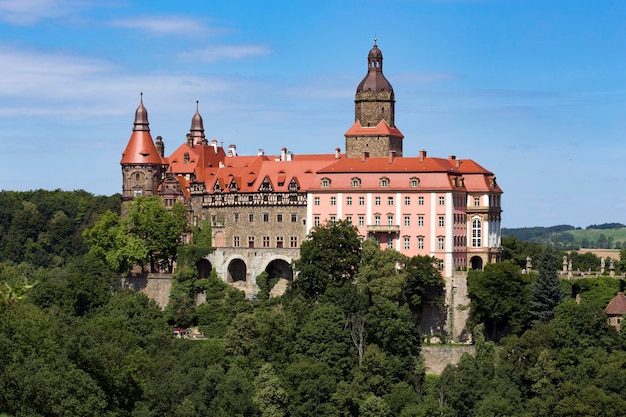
x,y
534,91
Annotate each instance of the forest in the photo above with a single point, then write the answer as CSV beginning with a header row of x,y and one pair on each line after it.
x,y
343,341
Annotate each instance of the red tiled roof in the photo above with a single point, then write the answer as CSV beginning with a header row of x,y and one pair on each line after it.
x,y
617,306
381,129
141,149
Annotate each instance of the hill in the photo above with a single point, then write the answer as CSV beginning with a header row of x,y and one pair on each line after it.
x,y
567,237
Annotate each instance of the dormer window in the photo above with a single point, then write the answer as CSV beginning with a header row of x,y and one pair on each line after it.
x,y
356,182
414,182
384,182
186,158
325,182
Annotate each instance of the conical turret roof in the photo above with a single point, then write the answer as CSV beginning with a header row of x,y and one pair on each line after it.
x,y
141,148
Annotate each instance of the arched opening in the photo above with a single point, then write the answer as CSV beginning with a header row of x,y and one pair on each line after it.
x,y
279,268
204,268
279,274
477,263
236,270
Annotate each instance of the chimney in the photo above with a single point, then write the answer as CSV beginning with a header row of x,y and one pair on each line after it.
x,y
283,154
232,150
392,156
422,155
451,157
261,152
289,156
364,156
214,144
337,153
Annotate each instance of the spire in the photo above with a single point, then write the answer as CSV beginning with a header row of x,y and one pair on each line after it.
x,y
197,127
141,117
374,79
141,148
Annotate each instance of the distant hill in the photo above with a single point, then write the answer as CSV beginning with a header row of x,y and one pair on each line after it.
x,y
567,237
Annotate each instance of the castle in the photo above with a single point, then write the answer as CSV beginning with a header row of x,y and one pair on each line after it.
x,y
261,207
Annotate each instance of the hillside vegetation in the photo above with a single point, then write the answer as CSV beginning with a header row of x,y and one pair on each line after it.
x,y
344,341
603,236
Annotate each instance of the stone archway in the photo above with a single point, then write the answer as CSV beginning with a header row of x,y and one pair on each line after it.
x,y
477,263
204,268
237,271
280,274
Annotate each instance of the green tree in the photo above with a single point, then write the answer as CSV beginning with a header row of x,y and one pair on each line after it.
x,y
328,260
270,395
148,234
546,291
499,298
160,229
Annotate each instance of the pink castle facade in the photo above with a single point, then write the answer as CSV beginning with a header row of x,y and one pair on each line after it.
x,y
261,207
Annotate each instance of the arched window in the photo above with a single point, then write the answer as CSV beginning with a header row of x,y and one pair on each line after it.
x,y
477,233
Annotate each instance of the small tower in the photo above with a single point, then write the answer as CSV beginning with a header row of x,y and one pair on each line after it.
x,y
374,130
197,129
141,161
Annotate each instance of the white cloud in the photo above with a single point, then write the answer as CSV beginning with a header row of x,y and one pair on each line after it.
x,y
224,52
68,86
167,25
29,12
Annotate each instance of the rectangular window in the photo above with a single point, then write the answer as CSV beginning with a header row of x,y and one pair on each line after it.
x,y
477,201
348,201
349,219
266,241
279,241
236,217
389,220
390,242
442,221
361,201
361,221
420,221
407,242
440,242
316,201
407,221
251,217
316,220
236,242
390,201
293,242
333,219
333,201
279,218
266,217
377,221
250,241
420,242
420,201
442,201
407,201
377,201
294,217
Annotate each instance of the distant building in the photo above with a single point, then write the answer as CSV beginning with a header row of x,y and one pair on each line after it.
x,y
615,310
262,206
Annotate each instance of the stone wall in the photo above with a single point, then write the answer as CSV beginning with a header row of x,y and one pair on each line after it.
x,y
449,324
436,358
154,286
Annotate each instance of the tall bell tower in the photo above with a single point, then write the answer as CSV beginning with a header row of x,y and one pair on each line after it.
x,y
374,130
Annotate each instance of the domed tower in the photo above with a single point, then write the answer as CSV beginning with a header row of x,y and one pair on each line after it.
x,y
374,130
141,162
197,129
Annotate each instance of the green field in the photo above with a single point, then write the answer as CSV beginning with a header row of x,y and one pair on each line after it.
x,y
618,235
